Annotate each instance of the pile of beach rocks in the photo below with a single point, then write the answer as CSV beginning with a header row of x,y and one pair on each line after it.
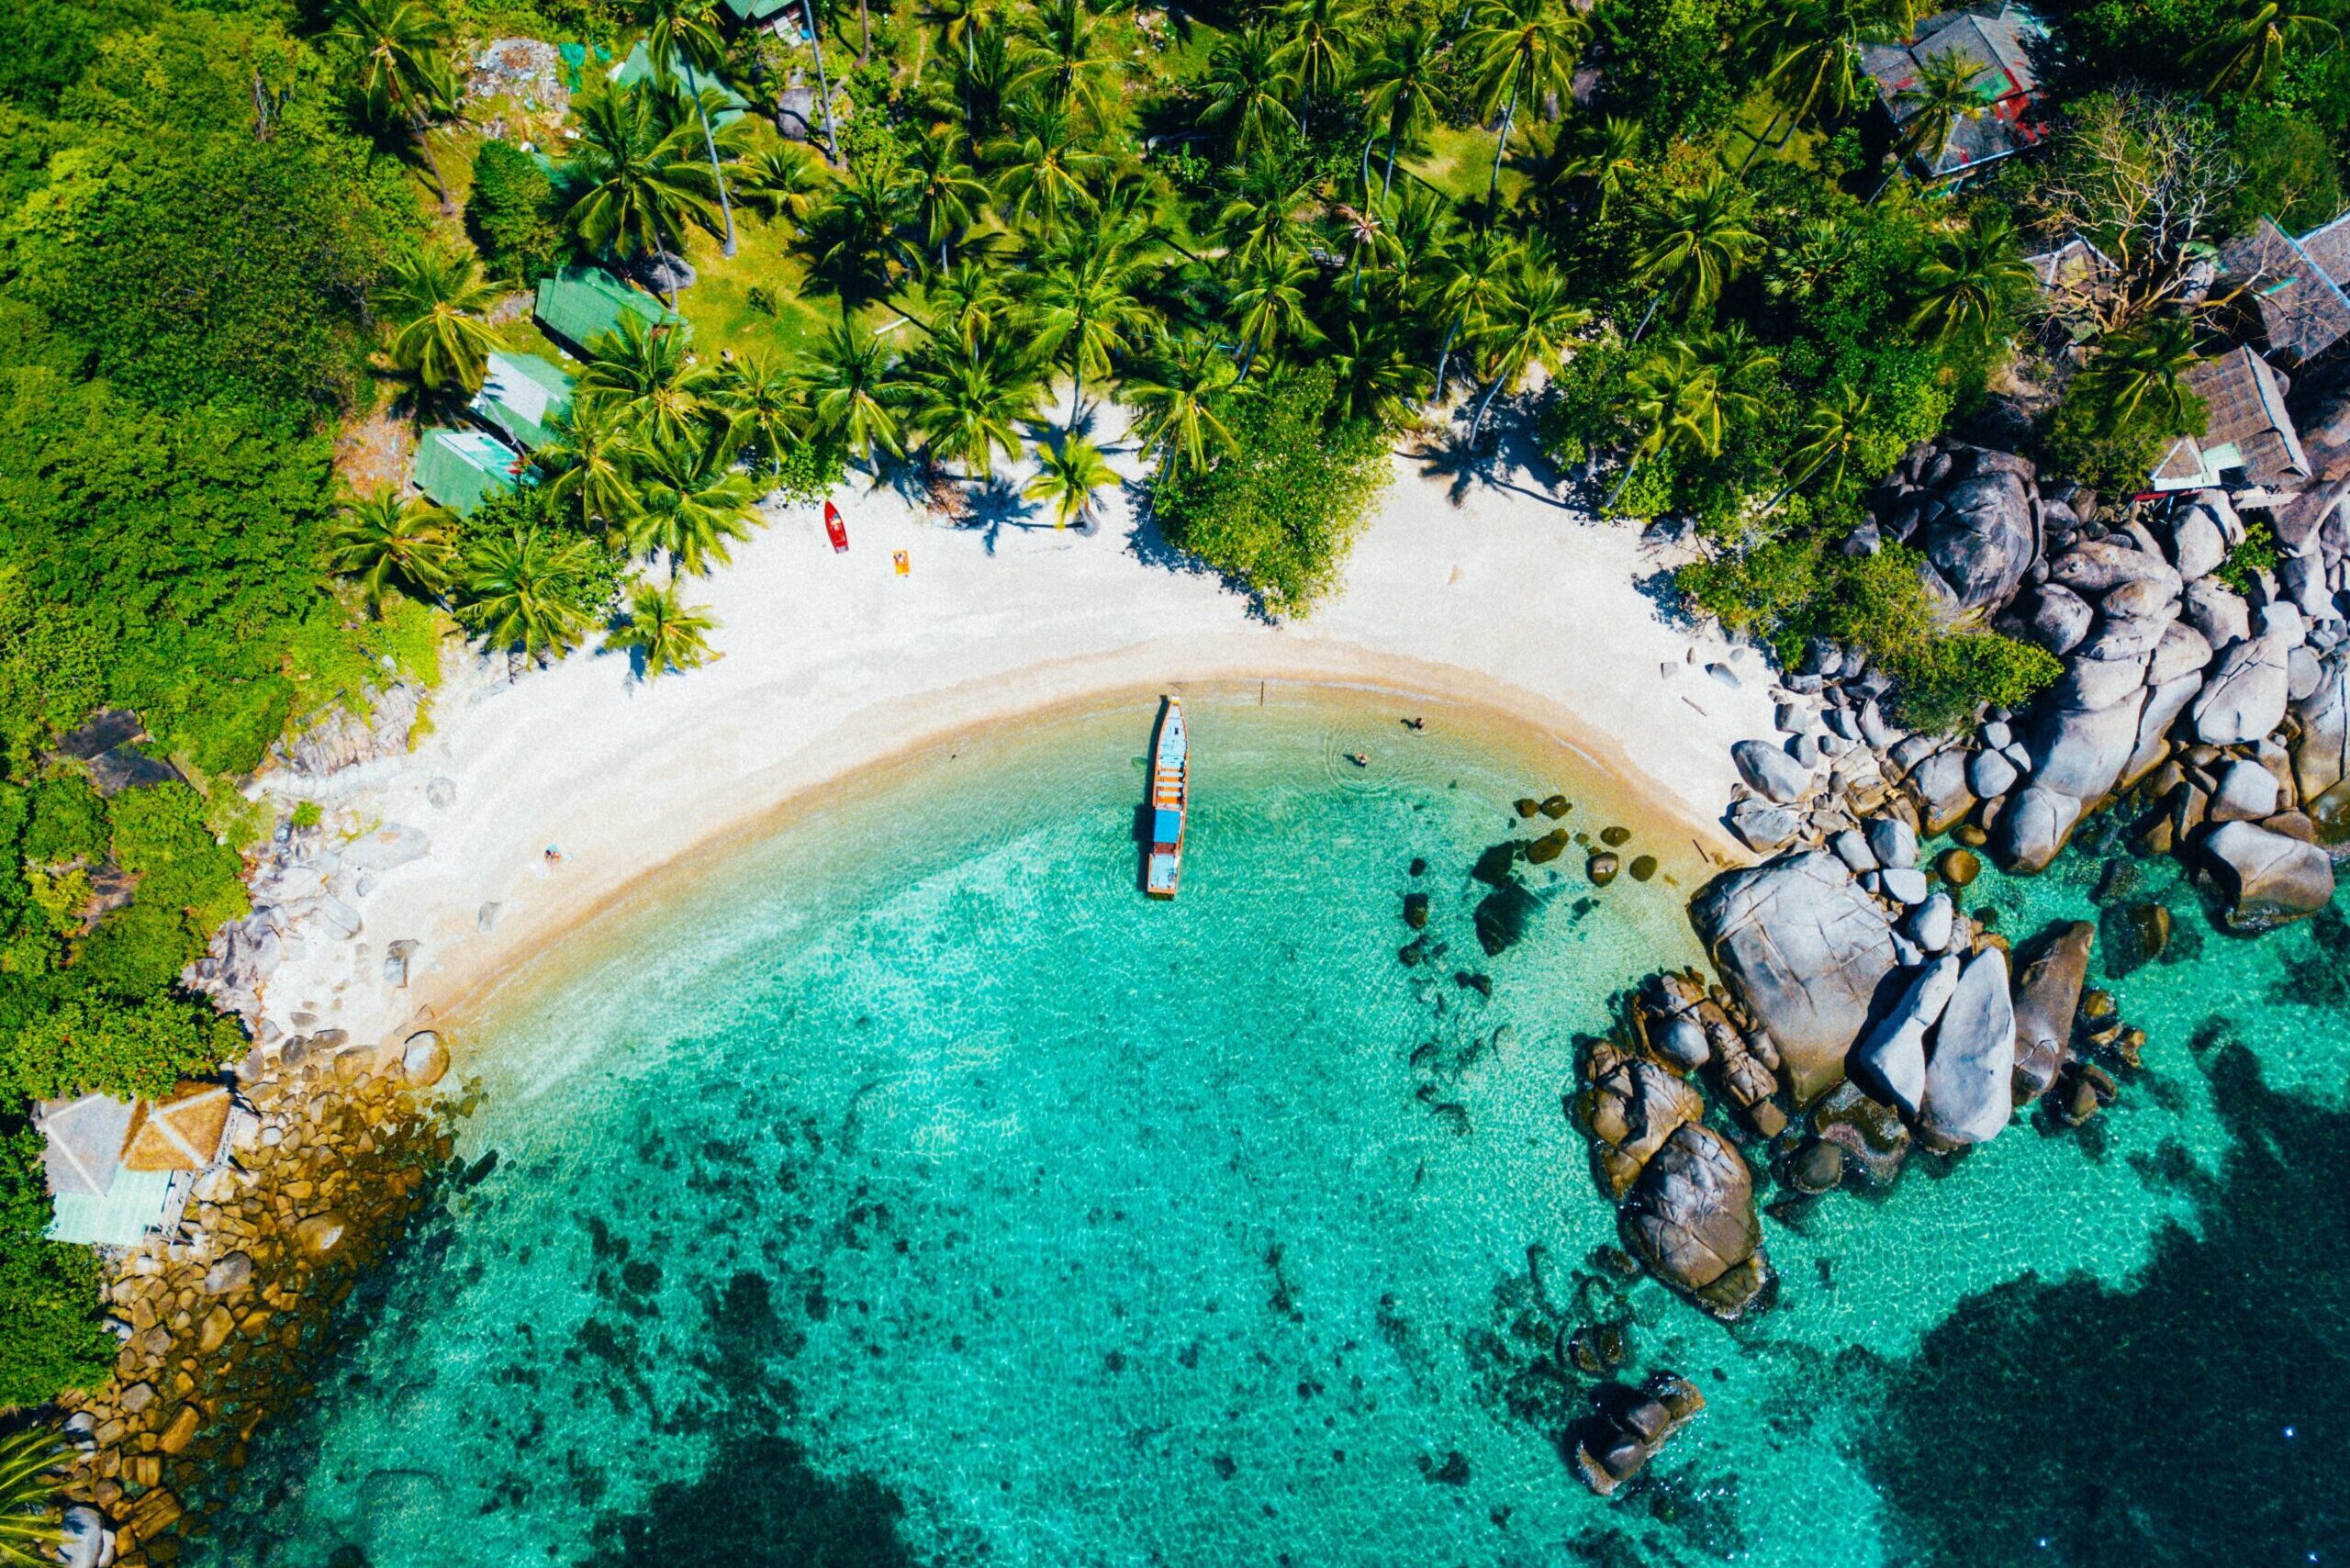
x,y
222,1320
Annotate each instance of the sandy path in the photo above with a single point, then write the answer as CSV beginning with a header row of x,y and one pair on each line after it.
x,y
833,662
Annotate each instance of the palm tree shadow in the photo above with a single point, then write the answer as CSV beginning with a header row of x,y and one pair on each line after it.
x,y
995,505
1506,456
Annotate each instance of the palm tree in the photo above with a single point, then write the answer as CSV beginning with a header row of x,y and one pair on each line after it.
x,y
784,180
663,632
1364,229
685,32
1676,398
1830,433
1813,48
968,301
1060,56
1947,91
1248,89
1069,479
2250,50
402,71
858,235
987,77
968,402
527,589
1318,49
591,465
387,543
766,407
1468,282
824,83
1705,243
2144,370
32,1497
433,301
647,377
1178,397
1529,327
641,184
1085,303
690,504
1973,280
1042,166
1376,374
1402,92
1260,218
1421,230
1606,160
945,195
1270,305
1521,48
847,382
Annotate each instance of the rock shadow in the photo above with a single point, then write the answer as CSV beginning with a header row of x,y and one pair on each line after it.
x,y
2198,1414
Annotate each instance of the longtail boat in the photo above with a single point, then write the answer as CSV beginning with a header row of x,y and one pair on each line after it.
x,y
1170,794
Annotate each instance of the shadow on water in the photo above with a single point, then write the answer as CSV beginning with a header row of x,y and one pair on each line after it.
x,y
759,1503
2200,1413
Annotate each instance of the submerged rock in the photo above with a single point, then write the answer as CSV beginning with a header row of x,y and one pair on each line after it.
x,y
1870,1132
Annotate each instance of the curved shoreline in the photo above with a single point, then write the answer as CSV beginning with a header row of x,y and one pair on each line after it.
x,y
833,665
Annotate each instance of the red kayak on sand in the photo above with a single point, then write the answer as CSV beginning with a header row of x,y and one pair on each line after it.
x,y
835,529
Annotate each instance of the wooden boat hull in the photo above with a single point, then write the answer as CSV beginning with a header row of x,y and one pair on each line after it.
x,y
1169,804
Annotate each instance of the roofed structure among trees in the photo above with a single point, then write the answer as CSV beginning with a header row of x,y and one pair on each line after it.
x,y
524,394
2248,441
2294,285
2000,40
461,469
581,304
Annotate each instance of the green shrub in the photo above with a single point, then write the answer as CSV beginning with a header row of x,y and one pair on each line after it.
x,y
1791,589
2257,554
126,1049
49,1334
307,813
1280,513
68,821
513,217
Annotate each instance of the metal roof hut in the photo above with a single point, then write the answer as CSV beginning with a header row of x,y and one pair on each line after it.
x,y
118,1170
461,469
2248,443
756,10
580,304
637,68
2000,42
2301,307
526,395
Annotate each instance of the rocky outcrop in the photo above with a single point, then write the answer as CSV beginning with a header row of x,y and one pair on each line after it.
x,y
2243,696
1969,1078
341,737
1972,513
1690,1219
1804,949
1626,1426
1890,1062
2269,878
2047,994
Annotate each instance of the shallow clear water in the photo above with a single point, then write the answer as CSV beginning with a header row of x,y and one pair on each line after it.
x,y
907,1189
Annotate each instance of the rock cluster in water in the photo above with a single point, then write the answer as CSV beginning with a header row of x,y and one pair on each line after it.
x,y
1628,1426
221,1329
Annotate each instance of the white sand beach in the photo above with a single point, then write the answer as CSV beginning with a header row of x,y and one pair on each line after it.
x,y
1491,594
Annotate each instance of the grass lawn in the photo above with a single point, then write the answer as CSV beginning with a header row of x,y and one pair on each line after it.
x,y
720,306
1459,163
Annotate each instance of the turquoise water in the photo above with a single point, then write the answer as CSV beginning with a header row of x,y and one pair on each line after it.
x,y
905,1189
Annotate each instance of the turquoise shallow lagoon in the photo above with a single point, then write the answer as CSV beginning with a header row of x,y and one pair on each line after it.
x,y
902,1188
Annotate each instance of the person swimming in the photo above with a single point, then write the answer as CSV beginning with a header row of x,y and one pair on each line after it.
x,y
1416,724
1359,758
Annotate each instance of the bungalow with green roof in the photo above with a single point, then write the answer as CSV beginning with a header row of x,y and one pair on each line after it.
x,y
526,395
461,469
638,68
580,304
756,10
